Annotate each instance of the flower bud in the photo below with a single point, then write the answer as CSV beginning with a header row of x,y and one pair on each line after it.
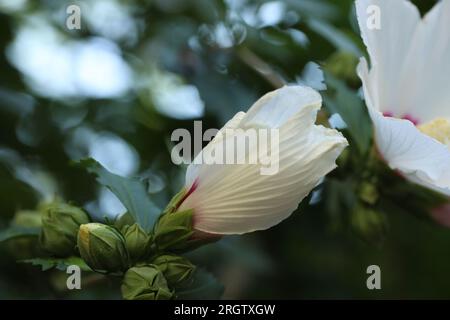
x,y
28,219
174,203
368,223
137,241
25,247
343,65
176,269
60,224
368,192
173,230
102,247
145,282
123,221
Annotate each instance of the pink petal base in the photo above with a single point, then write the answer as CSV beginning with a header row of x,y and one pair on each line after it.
x,y
409,117
205,236
442,214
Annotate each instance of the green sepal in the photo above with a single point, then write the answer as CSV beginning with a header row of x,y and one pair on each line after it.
x,y
145,282
173,230
123,221
174,202
60,225
137,241
176,269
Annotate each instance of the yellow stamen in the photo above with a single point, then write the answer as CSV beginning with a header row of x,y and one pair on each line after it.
x,y
438,129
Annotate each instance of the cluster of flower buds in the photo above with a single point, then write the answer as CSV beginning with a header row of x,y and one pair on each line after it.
x,y
153,281
60,225
147,261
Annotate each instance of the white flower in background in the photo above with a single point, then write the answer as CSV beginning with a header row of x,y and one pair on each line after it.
x,y
237,198
171,96
407,88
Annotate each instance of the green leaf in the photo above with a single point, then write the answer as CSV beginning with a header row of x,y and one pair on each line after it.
x,y
350,107
322,9
60,264
132,192
204,286
18,232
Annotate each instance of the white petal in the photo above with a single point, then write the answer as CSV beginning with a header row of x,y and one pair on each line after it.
x,y
428,64
410,59
409,76
415,179
370,88
271,110
421,158
235,199
388,47
276,107
192,170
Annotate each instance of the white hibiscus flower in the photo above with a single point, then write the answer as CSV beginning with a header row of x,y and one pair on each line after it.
x,y
407,88
238,198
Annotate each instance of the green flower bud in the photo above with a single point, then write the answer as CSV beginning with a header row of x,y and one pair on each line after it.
x,y
368,223
25,247
173,230
175,201
137,241
176,269
60,224
368,192
27,218
343,65
102,247
145,283
123,221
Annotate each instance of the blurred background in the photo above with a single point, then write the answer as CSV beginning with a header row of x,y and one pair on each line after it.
x,y
115,90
